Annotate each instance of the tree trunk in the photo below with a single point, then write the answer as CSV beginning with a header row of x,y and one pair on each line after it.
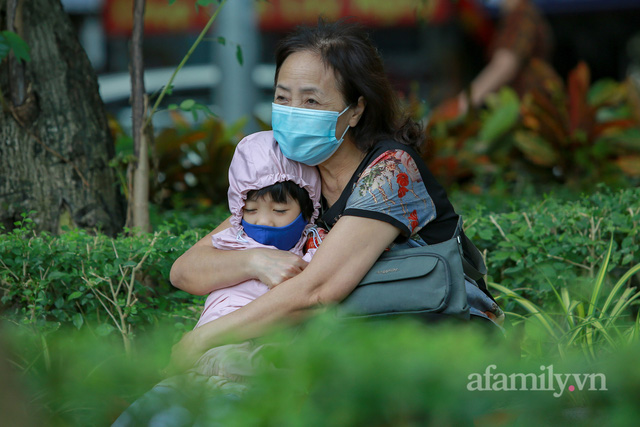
x,y
140,193
54,147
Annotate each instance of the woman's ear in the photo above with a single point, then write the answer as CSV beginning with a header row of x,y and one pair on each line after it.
x,y
357,111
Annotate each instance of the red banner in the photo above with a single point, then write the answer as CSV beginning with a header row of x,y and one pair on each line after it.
x,y
181,16
160,17
285,14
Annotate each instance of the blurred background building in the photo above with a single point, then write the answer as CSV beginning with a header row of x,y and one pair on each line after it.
x,y
431,48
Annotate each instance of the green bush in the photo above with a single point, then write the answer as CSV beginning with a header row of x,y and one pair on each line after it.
x,y
93,281
542,241
84,280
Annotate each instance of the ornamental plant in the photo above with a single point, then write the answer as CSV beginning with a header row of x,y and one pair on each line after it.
x,y
597,325
576,135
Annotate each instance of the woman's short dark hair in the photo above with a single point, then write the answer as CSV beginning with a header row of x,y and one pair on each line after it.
x,y
280,193
346,48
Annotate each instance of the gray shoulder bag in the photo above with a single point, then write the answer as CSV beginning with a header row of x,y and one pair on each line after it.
x,y
425,280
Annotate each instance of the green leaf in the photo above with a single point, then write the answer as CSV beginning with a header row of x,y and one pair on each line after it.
x,y
205,2
633,270
76,294
59,302
187,104
221,40
239,55
56,275
485,234
171,2
627,138
173,106
500,256
207,111
516,269
501,118
602,91
104,329
536,149
77,320
19,47
599,283
627,259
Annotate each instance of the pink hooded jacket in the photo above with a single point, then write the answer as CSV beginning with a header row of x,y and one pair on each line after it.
x,y
257,163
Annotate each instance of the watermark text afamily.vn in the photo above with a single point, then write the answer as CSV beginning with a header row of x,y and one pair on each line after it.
x,y
545,380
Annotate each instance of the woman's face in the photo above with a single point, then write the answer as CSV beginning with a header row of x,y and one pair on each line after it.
x,y
305,82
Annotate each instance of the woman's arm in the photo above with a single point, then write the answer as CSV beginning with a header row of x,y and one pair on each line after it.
x,y
203,268
344,257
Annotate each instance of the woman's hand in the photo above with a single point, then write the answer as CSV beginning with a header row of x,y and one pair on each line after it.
x,y
272,266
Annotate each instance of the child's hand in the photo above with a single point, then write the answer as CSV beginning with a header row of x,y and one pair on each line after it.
x,y
184,354
272,266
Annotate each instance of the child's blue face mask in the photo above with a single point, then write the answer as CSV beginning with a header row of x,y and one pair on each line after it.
x,y
304,135
283,238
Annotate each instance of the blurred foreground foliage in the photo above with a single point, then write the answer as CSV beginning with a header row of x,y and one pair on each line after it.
x,y
324,373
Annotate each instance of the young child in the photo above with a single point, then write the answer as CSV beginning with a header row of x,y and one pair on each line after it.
x,y
273,203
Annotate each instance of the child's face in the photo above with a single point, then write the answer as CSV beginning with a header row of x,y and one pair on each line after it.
x,y
264,211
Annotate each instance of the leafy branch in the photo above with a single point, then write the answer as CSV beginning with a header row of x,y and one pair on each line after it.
x,y
195,44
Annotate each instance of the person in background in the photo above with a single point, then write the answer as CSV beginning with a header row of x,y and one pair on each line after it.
x,y
518,57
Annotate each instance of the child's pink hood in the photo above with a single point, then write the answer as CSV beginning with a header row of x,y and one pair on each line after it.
x,y
258,163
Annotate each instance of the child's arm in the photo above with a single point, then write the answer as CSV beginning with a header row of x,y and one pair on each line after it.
x,y
341,261
203,268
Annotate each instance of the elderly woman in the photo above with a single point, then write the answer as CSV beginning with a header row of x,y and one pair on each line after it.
x,y
333,108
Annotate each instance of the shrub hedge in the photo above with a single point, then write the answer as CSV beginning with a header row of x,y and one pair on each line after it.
x,y
563,243
120,285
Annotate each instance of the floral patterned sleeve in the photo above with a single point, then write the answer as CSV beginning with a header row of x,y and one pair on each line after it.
x,y
391,189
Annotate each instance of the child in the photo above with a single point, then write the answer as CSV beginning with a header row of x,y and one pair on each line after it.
x,y
273,202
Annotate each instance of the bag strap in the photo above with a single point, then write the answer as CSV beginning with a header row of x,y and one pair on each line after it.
x,y
472,260
473,263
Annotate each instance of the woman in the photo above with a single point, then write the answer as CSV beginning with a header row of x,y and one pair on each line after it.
x,y
334,108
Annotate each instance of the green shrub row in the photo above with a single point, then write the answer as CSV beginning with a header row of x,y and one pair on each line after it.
x,y
92,281
121,284
541,242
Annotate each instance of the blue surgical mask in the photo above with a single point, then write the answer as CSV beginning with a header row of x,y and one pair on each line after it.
x,y
304,135
283,238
